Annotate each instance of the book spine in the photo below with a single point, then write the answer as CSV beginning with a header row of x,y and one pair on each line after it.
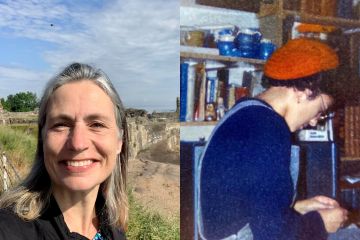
x,y
347,131
211,96
190,93
183,91
344,8
357,130
211,91
200,92
231,96
201,116
223,86
328,8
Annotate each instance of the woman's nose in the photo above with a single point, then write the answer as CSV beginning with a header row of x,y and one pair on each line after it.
x,y
77,140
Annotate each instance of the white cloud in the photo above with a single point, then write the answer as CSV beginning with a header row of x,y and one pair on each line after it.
x,y
18,74
134,41
14,80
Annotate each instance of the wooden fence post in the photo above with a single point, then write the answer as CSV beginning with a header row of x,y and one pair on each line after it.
x,y
5,174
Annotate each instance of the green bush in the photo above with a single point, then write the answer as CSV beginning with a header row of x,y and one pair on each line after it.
x,y
145,225
20,102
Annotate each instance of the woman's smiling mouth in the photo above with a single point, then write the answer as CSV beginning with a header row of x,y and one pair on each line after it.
x,y
79,163
78,166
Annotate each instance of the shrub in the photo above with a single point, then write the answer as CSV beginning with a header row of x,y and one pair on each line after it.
x,y
145,225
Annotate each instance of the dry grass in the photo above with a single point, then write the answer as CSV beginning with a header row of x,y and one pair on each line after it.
x,y
19,145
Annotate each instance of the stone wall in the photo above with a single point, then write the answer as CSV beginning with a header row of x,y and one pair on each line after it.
x,y
18,117
143,133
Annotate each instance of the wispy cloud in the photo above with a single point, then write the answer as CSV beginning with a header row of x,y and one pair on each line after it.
x,y
134,41
28,79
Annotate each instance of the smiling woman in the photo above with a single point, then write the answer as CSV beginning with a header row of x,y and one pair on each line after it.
x,y
77,186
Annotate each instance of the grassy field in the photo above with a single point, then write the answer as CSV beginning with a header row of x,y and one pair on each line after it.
x,y
19,143
144,225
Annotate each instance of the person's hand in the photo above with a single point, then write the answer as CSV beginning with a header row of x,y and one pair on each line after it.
x,y
333,218
314,204
327,201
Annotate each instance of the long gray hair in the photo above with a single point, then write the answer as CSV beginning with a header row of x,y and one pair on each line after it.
x,y
32,196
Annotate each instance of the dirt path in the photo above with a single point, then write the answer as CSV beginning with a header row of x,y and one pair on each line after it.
x,y
156,184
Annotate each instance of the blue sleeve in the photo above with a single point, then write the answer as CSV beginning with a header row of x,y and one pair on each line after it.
x,y
245,178
312,227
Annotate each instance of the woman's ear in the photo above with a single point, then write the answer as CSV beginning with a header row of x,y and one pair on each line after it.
x,y
118,150
302,95
308,93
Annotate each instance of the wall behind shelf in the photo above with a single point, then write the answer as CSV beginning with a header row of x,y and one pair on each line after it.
x,y
192,14
195,133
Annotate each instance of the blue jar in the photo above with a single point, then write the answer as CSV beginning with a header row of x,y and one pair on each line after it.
x,y
225,47
248,43
220,33
226,31
266,49
226,44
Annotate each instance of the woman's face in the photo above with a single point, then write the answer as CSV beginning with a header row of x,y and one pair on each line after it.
x,y
310,110
81,138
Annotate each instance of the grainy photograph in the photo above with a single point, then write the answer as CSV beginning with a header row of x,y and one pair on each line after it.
x,y
269,119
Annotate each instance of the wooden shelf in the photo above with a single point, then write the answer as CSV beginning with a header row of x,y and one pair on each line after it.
x,y
310,18
325,20
204,123
208,56
350,158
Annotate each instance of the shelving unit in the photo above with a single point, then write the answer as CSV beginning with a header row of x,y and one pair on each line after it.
x,y
309,18
211,55
350,158
278,8
220,58
204,123
201,54
276,21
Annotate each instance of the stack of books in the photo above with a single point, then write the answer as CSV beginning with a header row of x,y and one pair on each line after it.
x,y
206,93
352,131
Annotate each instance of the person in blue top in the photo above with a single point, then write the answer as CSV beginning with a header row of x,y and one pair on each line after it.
x,y
246,191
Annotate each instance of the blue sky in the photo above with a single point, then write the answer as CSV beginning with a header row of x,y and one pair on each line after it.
x,y
134,41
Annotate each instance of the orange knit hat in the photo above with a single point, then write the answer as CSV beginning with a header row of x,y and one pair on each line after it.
x,y
300,58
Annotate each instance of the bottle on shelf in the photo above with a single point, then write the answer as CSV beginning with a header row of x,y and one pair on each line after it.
x,y
220,109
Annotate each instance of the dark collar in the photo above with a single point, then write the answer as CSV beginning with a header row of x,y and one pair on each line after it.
x,y
54,215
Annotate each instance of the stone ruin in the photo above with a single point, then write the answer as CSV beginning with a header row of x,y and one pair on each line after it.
x,y
145,130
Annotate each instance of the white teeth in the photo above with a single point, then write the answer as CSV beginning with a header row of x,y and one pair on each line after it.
x,y
78,163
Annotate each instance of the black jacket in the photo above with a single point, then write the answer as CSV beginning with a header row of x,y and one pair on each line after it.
x,y
49,226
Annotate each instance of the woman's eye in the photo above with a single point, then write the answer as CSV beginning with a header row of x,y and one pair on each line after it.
x,y
97,125
60,126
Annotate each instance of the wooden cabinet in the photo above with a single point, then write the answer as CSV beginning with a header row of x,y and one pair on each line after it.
x,y
277,18
244,5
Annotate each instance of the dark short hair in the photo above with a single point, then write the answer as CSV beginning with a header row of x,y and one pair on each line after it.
x,y
322,82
